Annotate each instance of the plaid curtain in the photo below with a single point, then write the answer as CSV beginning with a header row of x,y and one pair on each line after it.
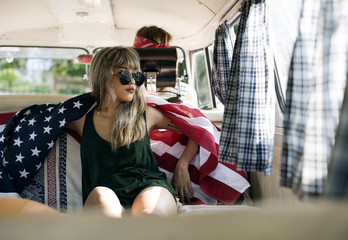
x,y
317,77
222,58
248,123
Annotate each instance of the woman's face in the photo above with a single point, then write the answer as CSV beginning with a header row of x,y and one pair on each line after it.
x,y
124,93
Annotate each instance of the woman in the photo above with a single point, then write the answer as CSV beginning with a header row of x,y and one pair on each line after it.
x,y
118,167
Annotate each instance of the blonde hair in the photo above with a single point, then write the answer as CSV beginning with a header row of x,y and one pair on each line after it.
x,y
129,124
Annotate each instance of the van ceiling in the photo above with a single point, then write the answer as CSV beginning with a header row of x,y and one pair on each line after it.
x,y
57,22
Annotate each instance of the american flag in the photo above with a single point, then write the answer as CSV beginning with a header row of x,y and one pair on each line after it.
x,y
212,181
29,135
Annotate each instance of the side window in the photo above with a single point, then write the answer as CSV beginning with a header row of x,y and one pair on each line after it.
x,y
181,66
200,76
42,70
202,61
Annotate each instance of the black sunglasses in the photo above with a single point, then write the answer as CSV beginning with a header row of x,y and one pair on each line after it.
x,y
126,78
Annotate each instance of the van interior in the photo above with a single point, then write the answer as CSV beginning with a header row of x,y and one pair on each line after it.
x,y
46,47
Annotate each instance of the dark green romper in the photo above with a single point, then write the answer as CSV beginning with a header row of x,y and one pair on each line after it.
x,y
127,171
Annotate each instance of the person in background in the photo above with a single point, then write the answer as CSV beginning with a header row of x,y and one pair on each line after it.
x,y
152,37
156,37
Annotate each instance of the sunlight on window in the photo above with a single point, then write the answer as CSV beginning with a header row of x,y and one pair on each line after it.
x,y
201,79
42,70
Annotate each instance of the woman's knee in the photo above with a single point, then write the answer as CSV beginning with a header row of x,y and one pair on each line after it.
x,y
100,195
105,200
154,201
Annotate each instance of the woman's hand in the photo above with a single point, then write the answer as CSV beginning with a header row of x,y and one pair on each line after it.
x,y
181,178
181,181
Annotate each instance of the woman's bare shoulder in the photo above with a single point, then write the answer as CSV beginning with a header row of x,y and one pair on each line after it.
x,y
153,114
156,119
76,125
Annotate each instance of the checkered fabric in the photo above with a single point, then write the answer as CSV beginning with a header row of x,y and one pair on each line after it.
x,y
222,58
248,123
314,96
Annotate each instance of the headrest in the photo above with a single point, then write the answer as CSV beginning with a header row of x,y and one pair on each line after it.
x,y
163,61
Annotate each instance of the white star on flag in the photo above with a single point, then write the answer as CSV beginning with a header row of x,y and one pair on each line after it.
x,y
62,109
50,145
35,152
47,129
38,166
18,142
18,128
24,173
19,157
62,123
32,136
31,122
47,119
77,104
27,112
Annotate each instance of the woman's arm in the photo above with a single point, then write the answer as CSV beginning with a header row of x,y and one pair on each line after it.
x,y
155,119
181,178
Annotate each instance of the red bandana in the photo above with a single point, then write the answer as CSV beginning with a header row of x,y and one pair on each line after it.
x,y
140,42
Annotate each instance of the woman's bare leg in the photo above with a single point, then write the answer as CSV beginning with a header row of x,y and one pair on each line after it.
x,y
156,201
104,200
13,206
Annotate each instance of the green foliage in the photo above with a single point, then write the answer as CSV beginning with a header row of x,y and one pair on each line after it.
x,y
25,88
9,75
70,91
14,64
235,29
42,89
17,78
68,68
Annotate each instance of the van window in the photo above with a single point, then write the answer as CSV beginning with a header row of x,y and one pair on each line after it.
x,y
201,79
202,61
181,66
42,70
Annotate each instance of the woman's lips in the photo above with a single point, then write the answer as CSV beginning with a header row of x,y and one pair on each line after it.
x,y
131,90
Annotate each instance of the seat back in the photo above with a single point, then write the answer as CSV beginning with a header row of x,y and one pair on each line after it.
x,y
159,64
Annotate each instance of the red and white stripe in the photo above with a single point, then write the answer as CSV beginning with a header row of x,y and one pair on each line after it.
x,y
212,180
